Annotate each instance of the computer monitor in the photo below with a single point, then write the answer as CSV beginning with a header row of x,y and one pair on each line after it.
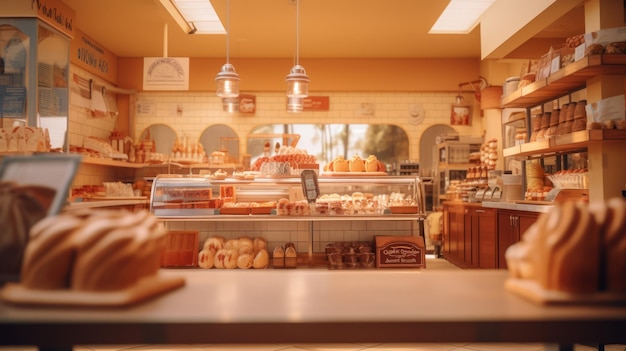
x,y
31,188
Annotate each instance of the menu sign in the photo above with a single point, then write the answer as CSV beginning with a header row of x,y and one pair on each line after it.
x,y
12,101
310,187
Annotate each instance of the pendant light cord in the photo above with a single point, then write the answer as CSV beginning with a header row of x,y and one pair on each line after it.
x,y
227,30
297,32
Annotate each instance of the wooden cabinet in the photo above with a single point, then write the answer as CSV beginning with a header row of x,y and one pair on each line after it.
x,y
477,237
482,236
470,235
511,226
454,233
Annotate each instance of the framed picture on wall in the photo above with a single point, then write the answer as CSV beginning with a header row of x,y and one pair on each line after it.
x,y
461,115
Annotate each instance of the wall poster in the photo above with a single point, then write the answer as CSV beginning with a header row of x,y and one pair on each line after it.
x,y
460,115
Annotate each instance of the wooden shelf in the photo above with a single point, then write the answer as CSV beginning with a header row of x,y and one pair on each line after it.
x,y
566,142
110,162
571,77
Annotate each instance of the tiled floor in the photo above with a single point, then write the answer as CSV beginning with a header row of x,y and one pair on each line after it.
x,y
431,263
330,347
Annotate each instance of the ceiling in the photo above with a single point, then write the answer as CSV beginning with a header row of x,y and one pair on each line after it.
x,y
267,29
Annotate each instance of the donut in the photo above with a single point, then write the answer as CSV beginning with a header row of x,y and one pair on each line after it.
x,y
245,261
226,258
213,244
206,259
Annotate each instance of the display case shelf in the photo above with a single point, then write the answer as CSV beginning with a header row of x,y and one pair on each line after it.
x,y
190,198
571,77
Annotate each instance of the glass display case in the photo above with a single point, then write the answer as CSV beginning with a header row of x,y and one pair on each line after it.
x,y
452,159
362,196
34,71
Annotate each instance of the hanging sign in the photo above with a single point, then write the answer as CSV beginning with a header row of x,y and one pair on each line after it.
x,y
166,73
316,103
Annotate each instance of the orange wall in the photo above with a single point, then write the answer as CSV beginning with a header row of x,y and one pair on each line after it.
x,y
325,74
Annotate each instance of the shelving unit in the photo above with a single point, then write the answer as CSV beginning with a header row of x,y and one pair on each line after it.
x,y
566,80
607,172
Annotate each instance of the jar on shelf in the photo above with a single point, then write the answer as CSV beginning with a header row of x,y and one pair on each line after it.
x,y
569,121
545,126
562,119
554,124
520,136
580,116
571,110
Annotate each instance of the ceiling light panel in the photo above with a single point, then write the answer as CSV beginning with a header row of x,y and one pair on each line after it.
x,y
460,16
201,14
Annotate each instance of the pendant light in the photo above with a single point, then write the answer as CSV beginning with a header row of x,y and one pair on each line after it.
x,y
227,79
297,79
295,104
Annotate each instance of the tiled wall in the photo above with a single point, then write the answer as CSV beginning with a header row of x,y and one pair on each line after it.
x,y
189,113
203,109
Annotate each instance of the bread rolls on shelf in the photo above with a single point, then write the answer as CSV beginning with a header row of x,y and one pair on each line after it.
x,y
243,252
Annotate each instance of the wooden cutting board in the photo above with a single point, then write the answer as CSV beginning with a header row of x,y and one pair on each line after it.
x,y
144,289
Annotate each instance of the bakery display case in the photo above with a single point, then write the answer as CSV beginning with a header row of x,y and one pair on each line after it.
x,y
34,87
452,161
341,196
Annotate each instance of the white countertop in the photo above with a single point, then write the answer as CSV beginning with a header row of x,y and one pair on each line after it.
x,y
316,305
517,206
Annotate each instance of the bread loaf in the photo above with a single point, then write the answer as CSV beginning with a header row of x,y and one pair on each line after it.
x,y
356,164
340,164
101,250
574,248
614,247
261,259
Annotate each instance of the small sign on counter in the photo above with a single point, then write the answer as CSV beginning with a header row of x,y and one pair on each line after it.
x,y
400,252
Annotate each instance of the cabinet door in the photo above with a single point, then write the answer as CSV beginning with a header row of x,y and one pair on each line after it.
x,y
469,231
455,222
455,233
485,241
525,221
507,235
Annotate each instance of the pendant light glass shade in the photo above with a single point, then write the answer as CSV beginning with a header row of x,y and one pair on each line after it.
x,y
297,82
295,104
227,79
297,79
227,82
